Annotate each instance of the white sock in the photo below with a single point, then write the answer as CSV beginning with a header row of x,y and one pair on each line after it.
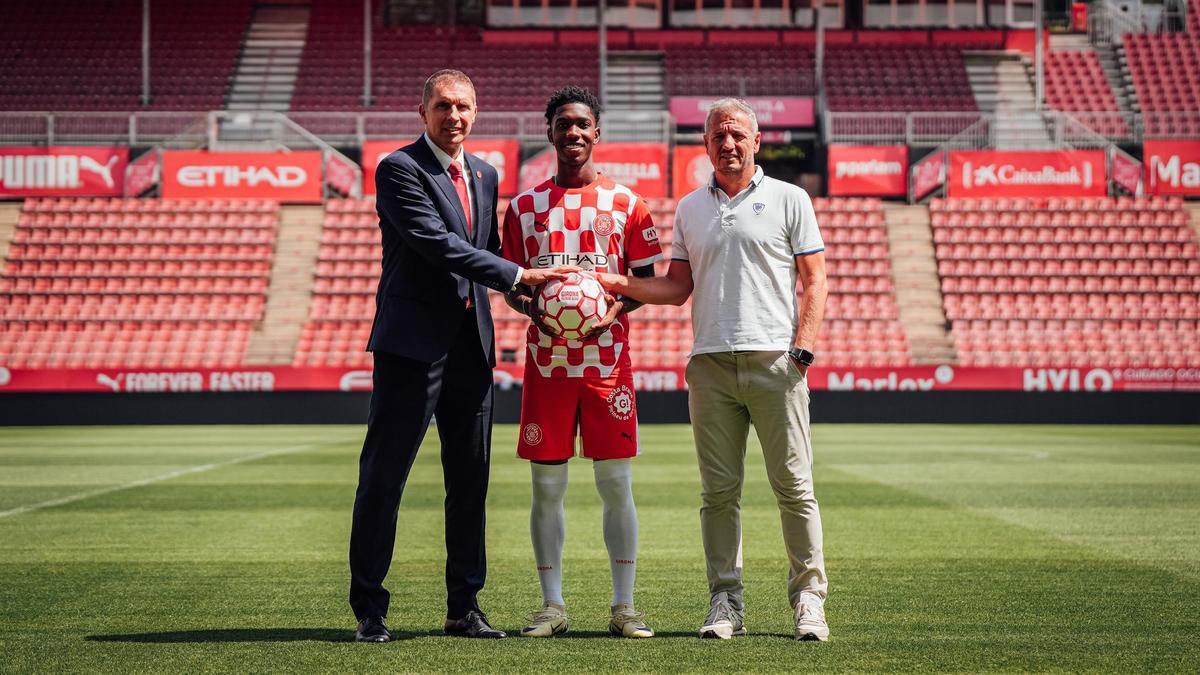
x,y
614,482
547,526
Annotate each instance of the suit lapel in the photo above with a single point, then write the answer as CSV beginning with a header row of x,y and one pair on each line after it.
x,y
441,178
478,189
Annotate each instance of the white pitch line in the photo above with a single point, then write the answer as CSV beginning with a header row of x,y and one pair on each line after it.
x,y
147,481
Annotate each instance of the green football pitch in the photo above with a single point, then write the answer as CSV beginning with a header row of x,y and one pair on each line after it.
x,y
949,548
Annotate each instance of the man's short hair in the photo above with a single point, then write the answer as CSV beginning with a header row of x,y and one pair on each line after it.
x,y
730,106
572,94
445,76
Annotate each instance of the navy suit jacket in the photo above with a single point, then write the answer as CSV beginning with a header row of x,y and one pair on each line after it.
x,y
430,260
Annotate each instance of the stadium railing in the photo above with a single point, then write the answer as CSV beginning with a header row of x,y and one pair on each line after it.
x,y
936,128
925,129
190,129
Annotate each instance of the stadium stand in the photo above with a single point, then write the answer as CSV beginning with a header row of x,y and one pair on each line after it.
x,y
51,55
887,78
1165,69
346,276
137,283
1075,82
745,68
1070,281
861,327
512,73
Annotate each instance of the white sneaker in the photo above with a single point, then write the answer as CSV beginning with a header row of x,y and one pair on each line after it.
x,y
628,622
810,618
724,618
550,621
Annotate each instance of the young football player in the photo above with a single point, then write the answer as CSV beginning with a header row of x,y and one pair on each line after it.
x,y
580,217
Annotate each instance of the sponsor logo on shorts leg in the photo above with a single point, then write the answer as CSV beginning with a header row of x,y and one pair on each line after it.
x,y
532,434
620,402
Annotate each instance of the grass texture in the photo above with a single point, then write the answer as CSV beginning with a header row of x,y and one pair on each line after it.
x,y
949,548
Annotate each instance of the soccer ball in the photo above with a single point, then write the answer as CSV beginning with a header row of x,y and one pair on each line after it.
x,y
572,306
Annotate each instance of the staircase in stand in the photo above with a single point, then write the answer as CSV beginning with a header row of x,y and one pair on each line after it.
x,y
1003,88
918,289
270,58
292,275
636,96
10,213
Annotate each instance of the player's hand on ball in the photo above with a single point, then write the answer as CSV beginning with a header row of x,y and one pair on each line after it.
x,y
615,307
537,277
539,319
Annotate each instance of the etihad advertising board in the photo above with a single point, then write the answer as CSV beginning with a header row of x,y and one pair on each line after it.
x,y
293,177
868,170
63,171
1172,167
993,173
503,154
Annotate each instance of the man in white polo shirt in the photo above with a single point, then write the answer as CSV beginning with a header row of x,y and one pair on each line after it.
x,y
740,245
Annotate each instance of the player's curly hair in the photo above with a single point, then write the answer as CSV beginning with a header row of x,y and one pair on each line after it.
x,y
572,94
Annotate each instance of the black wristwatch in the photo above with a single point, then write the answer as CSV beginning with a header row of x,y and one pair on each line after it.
x,y
802,356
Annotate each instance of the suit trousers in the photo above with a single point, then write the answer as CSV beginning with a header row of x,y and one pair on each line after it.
x,y
407,394
727,392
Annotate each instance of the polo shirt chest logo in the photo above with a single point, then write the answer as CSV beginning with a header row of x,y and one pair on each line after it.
x,y
758,207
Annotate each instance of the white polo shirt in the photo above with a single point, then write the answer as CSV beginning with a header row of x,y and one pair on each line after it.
x,y
742,252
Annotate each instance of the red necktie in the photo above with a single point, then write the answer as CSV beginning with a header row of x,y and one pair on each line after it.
x,y
460,186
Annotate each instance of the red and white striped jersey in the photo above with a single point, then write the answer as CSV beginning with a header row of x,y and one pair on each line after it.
x,y
603,227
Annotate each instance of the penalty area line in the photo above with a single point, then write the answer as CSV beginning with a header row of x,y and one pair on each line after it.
x,y
154,479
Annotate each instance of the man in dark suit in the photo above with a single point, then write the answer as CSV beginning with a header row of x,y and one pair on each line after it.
x,y
434,351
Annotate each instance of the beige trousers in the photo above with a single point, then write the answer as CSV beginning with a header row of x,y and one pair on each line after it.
x,y
727,392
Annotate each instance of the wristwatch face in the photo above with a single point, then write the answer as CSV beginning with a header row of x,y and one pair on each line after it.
x,y
804,356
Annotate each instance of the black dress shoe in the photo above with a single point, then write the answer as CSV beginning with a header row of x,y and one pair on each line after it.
x,y
473,625
372,630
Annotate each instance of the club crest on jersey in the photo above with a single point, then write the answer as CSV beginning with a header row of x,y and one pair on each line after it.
x,y
758,207
620,402
603,224
532,434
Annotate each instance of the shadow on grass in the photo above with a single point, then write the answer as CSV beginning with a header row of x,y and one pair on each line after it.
x,y
315,635
252,635
609,636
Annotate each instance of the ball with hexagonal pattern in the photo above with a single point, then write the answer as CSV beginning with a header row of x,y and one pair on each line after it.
x,y
572,306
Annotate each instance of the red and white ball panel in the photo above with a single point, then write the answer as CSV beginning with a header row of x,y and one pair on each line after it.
x,y
572,306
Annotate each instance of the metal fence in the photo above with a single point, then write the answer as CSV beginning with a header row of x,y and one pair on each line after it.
x,y
194,129
1074,129
921,129
168,129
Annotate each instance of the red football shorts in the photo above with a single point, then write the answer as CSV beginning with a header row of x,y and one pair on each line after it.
x,y
603,410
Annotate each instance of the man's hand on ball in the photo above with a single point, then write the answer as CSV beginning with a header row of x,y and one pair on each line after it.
x,y
610,281
615,307
536,277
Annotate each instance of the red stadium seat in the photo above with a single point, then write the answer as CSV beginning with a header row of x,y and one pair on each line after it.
x,y
1074,291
